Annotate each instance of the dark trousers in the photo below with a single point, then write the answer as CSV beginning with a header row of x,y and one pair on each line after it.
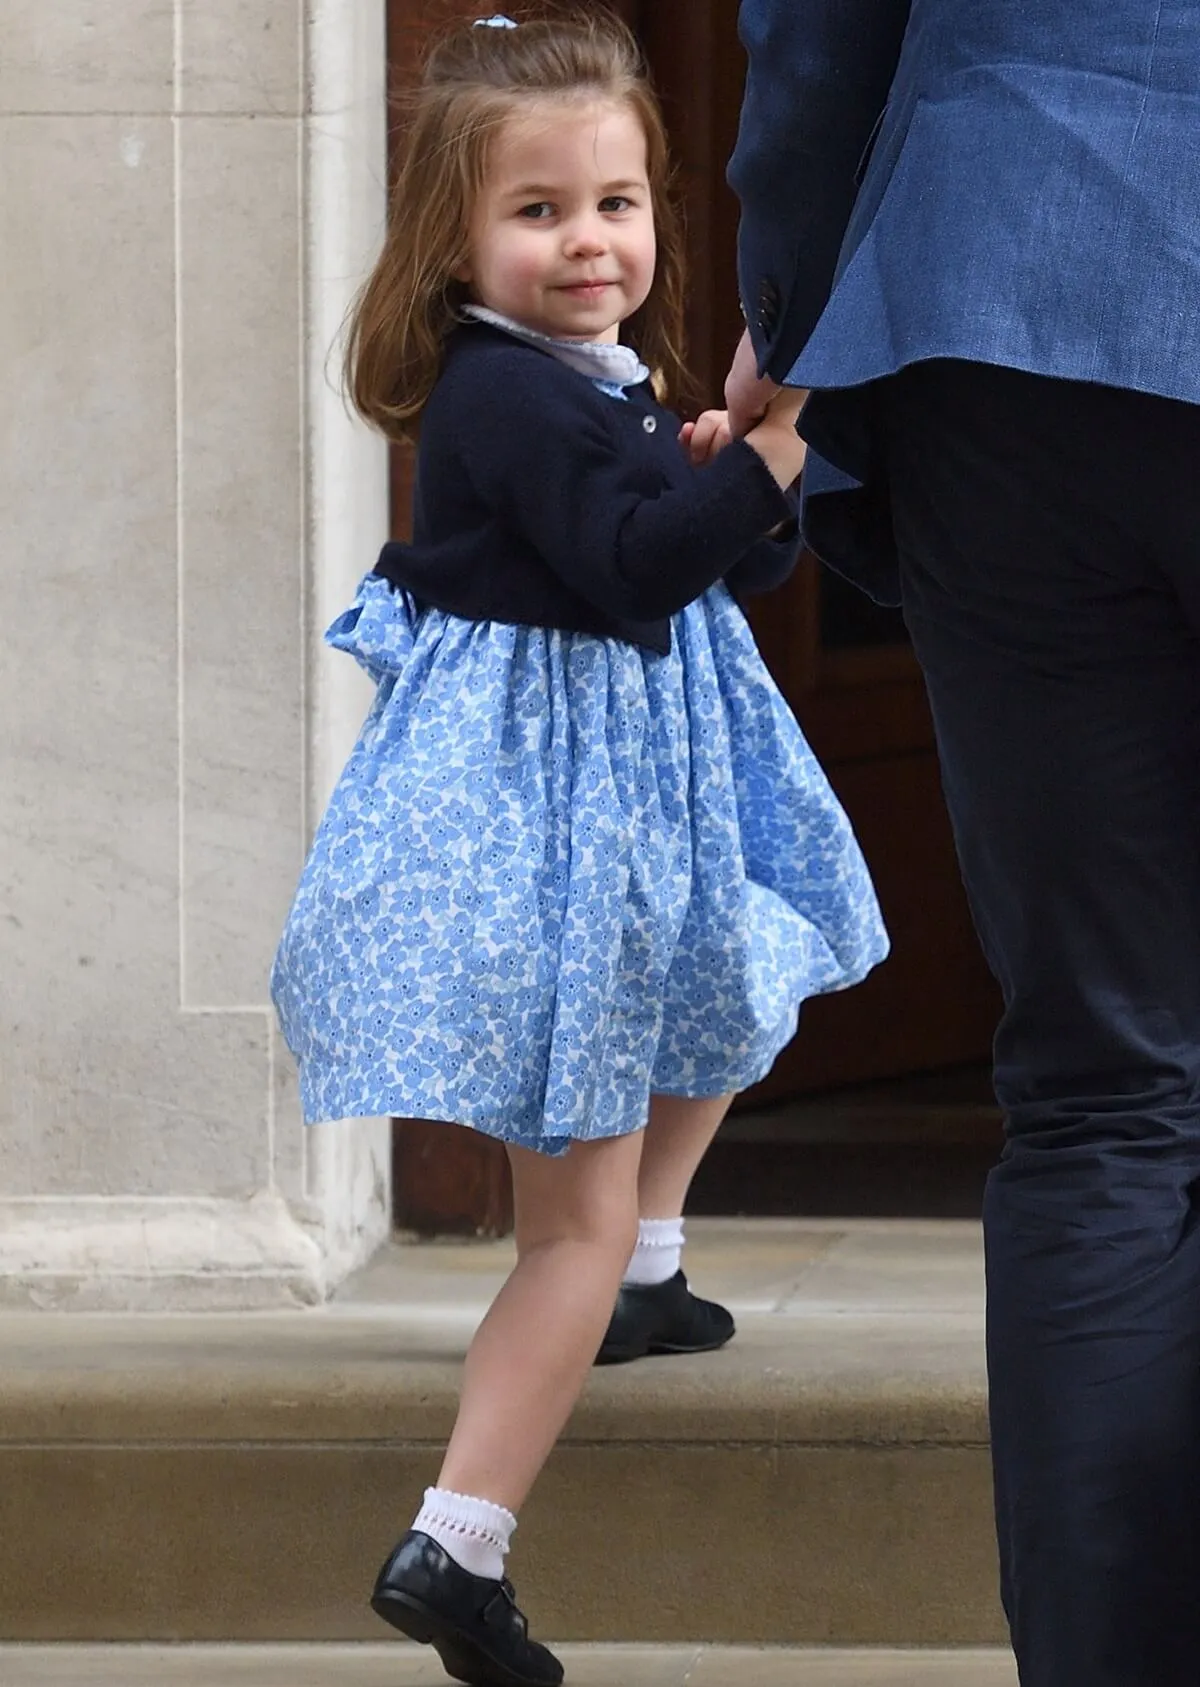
x,y
1050,547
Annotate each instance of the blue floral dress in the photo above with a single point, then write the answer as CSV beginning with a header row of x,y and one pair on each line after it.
x,y
560,873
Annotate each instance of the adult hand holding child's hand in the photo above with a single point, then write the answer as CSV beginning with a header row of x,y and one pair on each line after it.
x,y
775,437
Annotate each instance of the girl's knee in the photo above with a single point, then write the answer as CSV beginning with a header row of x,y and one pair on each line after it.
x,y
611,1233
589,1196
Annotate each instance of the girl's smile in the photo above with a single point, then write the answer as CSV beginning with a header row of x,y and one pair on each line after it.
x,y
562,235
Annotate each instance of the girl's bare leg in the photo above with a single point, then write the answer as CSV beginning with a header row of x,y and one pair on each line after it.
x,y
678,1136
656,1310
576,1226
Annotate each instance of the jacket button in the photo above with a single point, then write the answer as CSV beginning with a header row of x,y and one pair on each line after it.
x,y
649,423
768,305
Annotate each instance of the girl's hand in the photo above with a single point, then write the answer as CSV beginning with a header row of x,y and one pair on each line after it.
x,y
747,393
706,436
775,437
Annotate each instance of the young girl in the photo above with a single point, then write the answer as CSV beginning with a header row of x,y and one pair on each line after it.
x,y
581,868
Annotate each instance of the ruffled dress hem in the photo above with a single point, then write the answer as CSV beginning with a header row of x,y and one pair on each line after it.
x,y
339,1095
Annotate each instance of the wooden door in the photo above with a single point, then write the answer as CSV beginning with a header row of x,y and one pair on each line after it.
x,y
845,667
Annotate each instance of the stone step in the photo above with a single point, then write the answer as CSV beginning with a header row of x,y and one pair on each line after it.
x,y
222,1477
587,1666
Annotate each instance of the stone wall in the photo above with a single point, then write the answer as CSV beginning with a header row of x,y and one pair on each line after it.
x,y
189,192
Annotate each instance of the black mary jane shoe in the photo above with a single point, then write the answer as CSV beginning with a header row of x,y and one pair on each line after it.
x,y
663,1318
472,1622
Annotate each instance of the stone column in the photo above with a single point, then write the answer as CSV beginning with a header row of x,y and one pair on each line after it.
x,y
189,193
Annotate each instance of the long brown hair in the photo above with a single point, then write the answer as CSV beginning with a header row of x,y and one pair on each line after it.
x,y
474,78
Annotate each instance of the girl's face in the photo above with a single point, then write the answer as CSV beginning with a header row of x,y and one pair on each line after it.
x,y
562,235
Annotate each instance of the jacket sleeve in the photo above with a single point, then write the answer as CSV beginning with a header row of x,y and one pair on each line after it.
x,y
594,508
818,79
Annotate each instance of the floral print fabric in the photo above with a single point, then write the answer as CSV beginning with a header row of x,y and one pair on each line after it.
x,y
560,873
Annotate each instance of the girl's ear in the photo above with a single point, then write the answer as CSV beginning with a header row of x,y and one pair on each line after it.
x,y
462,272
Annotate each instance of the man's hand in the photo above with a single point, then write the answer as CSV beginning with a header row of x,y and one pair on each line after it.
x,y
746,392
703,438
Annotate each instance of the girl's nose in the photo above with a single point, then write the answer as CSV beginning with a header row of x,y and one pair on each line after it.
x,y
586,237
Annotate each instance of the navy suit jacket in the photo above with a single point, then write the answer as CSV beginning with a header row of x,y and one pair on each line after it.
x,y
1013,182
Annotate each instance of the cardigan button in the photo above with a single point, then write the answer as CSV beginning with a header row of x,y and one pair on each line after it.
x,y
649,423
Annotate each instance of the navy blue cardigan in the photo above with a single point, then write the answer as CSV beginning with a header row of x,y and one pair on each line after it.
x,y
542,501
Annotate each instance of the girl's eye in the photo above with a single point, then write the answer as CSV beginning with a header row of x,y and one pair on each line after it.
x,y
616,202
539,212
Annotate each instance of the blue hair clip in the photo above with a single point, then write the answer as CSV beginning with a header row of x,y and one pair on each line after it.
x,y
498,22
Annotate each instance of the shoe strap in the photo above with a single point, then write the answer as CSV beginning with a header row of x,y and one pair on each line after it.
x,y
508,1593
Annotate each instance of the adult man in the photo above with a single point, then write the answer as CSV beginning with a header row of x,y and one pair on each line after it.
x,y
972,227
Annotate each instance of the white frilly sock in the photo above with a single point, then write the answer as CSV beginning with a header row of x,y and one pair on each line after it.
x,y
474,1532
658,1253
